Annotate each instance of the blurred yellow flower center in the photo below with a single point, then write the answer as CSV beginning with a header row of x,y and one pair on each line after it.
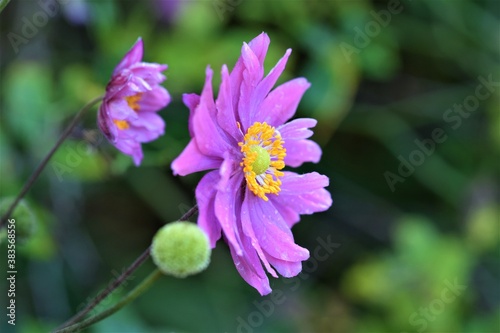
x,y
133,101
263,157
121,124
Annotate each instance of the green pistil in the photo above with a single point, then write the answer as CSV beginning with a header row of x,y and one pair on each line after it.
x,y
262,161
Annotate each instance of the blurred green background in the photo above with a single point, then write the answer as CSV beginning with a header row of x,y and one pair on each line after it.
x,y
414,228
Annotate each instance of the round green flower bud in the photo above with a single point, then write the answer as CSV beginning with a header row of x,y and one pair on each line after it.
x,y
181,249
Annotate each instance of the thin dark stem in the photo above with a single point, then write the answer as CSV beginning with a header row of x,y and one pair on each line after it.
x,y
44,162
119,280
132,295
189,213
112,286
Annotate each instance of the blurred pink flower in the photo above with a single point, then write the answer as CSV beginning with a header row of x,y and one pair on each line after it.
x,y
127,115
244,137
168,10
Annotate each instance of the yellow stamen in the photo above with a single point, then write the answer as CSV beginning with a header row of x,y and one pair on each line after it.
x,y
133,101
121,124
263,157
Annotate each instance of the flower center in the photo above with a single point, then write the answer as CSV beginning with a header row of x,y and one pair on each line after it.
x,y
121,124
133,101
262,161
263,155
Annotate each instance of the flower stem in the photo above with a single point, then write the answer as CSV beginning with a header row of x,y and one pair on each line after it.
x,y
112,286
44,162
132,295
119,280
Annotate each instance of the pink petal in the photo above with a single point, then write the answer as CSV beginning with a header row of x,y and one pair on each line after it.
x,y
259,46
103,120
287,269
281,103
252,75
130,147
288,213
300,151
297,129
119,109
265,86
309,203
132,56
210,138
249,253
135,85
126,84
226,171
205,197
225,112
147,68
225,210
137,156
305,194
246,269
254,68
154,100
271,231
149,72
293,183
247,224
147,127
191,101
192,160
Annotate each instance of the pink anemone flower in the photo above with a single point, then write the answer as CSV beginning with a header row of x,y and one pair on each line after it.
x,y
128,114
244,138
